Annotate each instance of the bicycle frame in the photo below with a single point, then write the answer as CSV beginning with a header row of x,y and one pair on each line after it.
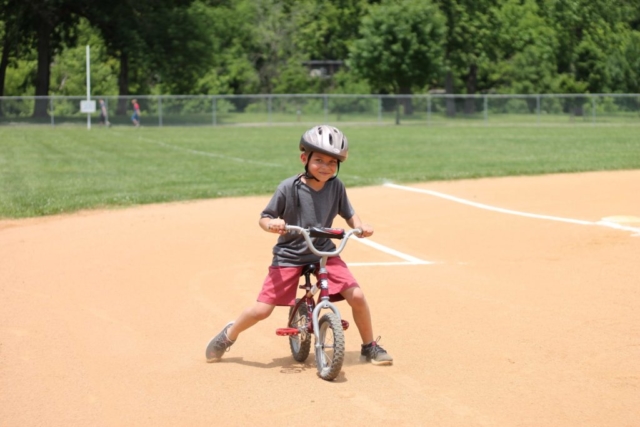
x,y
313,307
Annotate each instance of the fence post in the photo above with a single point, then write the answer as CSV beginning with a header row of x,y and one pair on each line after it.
x,y
269,109
160,110
53,123
538,107
486,109
379,109
326,109
213,108
428,110
593,109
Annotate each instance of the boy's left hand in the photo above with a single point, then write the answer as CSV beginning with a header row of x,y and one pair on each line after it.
x,y
367,230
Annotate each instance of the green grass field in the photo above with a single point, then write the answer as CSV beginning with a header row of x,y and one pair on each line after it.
x,y
45,170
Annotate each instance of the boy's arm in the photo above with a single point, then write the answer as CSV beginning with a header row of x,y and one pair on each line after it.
x,y
355,222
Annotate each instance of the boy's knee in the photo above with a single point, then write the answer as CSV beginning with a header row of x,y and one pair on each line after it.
x,y
261,312
355,298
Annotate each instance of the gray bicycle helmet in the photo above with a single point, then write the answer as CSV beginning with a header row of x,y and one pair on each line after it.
x,y
325,139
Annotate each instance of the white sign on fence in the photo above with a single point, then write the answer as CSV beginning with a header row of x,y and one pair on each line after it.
x,y
87,106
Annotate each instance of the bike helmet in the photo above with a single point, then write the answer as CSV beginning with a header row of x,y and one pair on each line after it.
x,y
327,140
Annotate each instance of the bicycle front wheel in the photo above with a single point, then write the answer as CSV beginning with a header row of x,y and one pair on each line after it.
x,y
330,352
300,344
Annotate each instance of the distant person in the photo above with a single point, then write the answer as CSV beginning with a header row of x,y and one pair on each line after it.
x,y
104,116
135,118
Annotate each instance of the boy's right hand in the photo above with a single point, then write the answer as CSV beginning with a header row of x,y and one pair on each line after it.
x,y
277,226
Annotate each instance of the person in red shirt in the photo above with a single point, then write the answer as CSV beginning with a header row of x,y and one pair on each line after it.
x,y
135,118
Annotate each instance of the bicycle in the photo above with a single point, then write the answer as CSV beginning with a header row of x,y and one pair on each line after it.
x,y
304,316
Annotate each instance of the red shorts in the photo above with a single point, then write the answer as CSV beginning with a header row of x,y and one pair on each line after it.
x,y
281,285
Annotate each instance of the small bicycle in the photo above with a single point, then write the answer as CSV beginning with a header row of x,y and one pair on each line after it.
x,y
304,316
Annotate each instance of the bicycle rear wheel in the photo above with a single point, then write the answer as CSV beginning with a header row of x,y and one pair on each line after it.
x,y
300,344
330,353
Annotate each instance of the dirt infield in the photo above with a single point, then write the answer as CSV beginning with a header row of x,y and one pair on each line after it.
x,y
511,305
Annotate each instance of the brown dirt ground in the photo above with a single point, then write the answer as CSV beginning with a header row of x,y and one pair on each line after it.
x,y
520,322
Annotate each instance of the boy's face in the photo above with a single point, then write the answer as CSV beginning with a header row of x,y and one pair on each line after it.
x,y
323,167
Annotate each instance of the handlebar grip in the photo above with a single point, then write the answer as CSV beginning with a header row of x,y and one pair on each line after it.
x,y
328,233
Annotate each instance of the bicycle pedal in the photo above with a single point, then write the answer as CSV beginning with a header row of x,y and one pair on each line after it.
x,y
345,324
287,332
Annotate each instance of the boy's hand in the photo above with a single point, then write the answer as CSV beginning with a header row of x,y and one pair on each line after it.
x,y
367,230
277,226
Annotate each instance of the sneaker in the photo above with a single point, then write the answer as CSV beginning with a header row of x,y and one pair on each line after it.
x,y
375,354
219,345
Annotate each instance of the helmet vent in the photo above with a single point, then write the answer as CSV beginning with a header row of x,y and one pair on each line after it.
x,y
330,139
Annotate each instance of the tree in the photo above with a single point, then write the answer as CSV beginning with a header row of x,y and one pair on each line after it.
x,y
525,49
232,41
164,41
12,19
468,49
44,24
400,46
590,34
326,27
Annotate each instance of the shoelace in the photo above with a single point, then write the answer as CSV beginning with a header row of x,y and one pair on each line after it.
x,y
375,347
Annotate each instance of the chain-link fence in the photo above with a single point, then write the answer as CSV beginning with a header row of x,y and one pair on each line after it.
x,y
220,110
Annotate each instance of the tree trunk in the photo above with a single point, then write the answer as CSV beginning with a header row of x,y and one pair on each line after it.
x,y
4,63
123,84
472,80
407,102
43,74
448,88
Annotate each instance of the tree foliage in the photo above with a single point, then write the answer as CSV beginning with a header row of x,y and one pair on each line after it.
x,y
400,45
263,46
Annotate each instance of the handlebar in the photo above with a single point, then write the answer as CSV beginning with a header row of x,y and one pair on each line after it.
x,y
331,233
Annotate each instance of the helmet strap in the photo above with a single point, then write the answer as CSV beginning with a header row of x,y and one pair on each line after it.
x,y
306,168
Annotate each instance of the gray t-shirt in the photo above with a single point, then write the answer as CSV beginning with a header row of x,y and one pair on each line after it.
x,y
298,204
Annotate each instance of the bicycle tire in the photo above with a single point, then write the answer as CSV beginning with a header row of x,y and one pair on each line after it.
x,y
300,344
330,353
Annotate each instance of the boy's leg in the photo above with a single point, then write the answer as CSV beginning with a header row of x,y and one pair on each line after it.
x,y
221,343
249,317
370,350
361,314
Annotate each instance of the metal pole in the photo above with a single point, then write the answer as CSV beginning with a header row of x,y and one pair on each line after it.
x,y
213,106
486,109
538,107
593,109
269,109
88,85
379,109
326,109
428,110
160,110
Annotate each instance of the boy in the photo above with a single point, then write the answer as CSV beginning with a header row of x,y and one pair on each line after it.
x,y
313,198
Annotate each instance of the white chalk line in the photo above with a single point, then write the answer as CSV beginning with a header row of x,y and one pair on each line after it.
x,y
601,223
207,153
408,259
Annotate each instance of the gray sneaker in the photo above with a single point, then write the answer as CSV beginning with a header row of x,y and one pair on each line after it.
x,y
219,345
375,354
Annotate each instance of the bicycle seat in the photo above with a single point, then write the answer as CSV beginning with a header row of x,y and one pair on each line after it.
x,y
308,270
